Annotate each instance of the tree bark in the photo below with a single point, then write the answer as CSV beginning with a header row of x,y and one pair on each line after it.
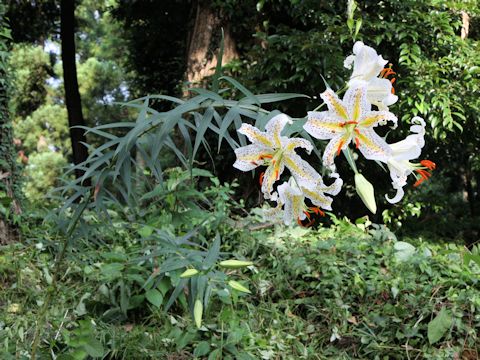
x,y
72,95
200,63
465,25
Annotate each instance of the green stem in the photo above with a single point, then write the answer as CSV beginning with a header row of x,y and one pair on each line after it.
x,y
351,161
53,286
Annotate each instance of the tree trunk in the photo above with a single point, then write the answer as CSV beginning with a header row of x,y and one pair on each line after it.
x,y
201,59
465,25
72,96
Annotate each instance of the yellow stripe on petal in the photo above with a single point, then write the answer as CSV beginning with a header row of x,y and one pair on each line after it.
x,y
301,170
357,103
318,199
255,135
372,146
374,118
335,104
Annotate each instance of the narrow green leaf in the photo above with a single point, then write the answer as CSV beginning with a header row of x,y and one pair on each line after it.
x,y
201,129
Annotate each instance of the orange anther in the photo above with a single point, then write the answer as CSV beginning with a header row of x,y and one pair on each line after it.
x,y
260,180
340,145
424,175
348,123
357,142
428,164
265,156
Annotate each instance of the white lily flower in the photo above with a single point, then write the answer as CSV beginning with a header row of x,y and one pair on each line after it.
x,y
276,152
347,120
291,197
399,165
369,67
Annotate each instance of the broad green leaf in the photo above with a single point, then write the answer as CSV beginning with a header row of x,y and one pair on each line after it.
x,y
155,297
403,250
438,327
202,348
94,347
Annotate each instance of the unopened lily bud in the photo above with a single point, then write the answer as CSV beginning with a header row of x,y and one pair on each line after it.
x,y
366,192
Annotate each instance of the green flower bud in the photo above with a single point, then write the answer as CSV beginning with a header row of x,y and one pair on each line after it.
x,y
366,192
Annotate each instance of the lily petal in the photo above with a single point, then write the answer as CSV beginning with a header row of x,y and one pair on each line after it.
x,y
304,174
367,63
250,156
322,125
334,104
319,199
256,136
290,144
356,101
337,143
379,93
372,146
275,126
374,118
398,196
272,174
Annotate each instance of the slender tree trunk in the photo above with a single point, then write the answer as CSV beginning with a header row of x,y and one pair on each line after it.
x,y
465,25
72,96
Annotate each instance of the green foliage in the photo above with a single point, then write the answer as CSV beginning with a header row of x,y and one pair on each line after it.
x,y
43,172
46,127
31,69
333,293
10,182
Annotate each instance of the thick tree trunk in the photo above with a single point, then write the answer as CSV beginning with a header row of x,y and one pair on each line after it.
x,y
201,54
72,96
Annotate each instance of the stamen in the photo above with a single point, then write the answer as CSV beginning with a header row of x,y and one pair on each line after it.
x,y
340,147
424,175
317,210
277,176
260,180
357,142
348,123
428,164
265,156
254,163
